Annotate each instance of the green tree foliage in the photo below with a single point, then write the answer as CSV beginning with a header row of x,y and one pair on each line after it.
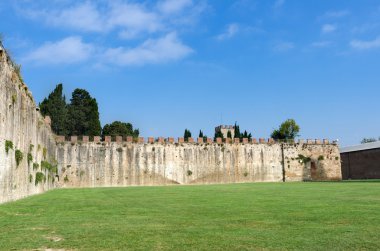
x,y
55,107
187,135
287,131
83,114
237,131
200,134
218,134
118,128
246,135
229,134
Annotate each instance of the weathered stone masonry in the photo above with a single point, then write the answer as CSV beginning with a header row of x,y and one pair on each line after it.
x,y
99,163
93,164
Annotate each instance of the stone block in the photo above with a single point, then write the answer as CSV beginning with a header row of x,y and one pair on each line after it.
x,y
150,140
60,139
209,140
85,139
97,139
245,140
190,140
254,141
236,140
271,141
326,142
181,140
74,139
119,139
129,139
171,140
107,139
219,140
141,140
200,140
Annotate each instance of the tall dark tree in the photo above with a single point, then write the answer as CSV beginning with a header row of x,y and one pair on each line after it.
x,y
237,131
200,134
83,114
187,135
218,134
229,134
287,131
55,107
118,128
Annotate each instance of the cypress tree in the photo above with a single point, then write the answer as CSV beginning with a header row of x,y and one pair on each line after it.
x,y
187,135
55,107
200,134
229,135
83,114
237,131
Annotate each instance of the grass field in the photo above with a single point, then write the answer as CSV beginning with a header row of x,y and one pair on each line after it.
x,y
307,216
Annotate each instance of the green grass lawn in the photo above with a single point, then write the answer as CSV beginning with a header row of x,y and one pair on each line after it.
x,y
307,216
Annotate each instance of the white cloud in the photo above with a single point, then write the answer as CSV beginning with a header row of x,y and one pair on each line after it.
x,y
164,49
129,18
84,16
174,6
328,28
133,19
365,45
321,44
67,51
283,46
336,14
279,3
231,30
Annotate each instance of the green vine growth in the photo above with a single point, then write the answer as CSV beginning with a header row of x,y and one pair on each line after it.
x,y
35,166
30,158
18,156
8,145
39,178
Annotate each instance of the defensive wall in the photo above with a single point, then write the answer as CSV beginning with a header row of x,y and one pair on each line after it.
x,y
34,160
159,161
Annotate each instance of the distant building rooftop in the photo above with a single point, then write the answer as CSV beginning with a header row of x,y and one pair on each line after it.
x,y
362,147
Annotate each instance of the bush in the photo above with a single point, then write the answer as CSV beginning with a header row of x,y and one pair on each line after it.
x,y
30,178
18,156
66,179
8,145
189,173
320,158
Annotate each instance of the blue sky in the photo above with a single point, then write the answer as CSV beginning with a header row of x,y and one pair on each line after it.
x,y
173,64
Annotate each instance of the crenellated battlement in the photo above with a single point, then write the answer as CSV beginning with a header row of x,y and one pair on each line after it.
x,y
172,140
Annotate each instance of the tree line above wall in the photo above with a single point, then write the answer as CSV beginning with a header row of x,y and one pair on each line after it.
x,y
80,116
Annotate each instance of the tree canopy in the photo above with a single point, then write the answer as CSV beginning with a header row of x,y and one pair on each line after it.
x,y
83,114
288,130
187,135
118,128
55,107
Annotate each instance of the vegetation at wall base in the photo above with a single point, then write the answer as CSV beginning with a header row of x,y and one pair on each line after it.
x,y
258,216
